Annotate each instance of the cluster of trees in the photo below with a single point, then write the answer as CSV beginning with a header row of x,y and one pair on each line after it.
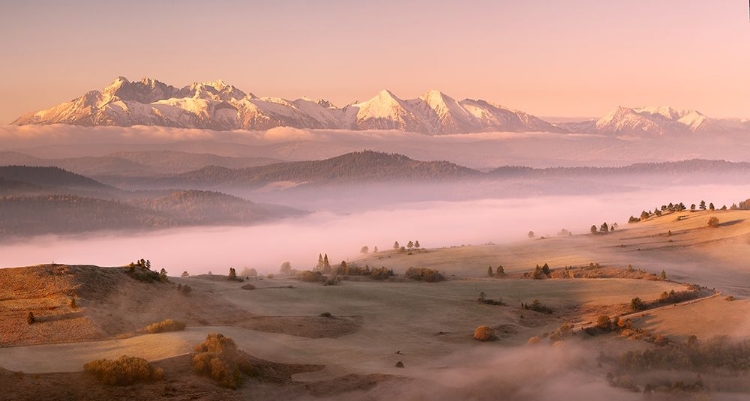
x,y
323,265
424,274
141,271
677,207
744,205
345,269
720,352
500,272
123,371
62,214
366,249
541,272
666,298
409,245
603,229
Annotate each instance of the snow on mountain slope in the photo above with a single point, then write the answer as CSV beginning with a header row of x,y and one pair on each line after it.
x,y
385,111
219,106
493,117
655,121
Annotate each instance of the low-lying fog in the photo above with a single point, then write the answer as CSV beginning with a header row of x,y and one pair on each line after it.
x,y
481,150
299,241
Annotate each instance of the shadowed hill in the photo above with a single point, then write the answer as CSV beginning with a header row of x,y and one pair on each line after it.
x,y
108,303
205,207
366,166
49,177
693,166
135,163
65,214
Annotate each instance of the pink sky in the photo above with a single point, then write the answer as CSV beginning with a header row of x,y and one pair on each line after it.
x,y
549,58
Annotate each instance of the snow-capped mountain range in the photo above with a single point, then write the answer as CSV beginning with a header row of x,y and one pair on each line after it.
x,y
219,106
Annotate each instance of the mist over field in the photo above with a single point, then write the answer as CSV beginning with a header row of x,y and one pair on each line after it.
x,y
341,235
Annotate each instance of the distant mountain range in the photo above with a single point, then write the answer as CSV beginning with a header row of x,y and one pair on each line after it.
x,y
50,200
44,200
141,163
219,106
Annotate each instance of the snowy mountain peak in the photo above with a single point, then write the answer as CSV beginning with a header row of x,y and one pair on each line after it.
x,y
220,106
653,120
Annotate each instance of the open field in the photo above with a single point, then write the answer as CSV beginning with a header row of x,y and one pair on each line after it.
x,y
374,325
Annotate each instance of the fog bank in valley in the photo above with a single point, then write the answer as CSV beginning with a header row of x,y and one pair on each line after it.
x,y
299,241
481,150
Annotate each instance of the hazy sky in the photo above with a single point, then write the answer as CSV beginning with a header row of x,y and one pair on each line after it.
x,y
563,58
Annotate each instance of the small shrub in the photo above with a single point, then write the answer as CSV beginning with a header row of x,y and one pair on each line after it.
x,y
123,371
730,298
165,326
484,333
73,304
713,222
186,290
603,322
424,274
248,287
537,306
637,304
326,314
311,277
30,319
219,358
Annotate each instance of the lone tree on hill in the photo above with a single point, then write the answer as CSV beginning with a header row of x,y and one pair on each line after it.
x,y
286,268
232,274
663,275
604,228
365,249
410,245
416,244
692,207
703,205
593,229
711,207
500,271
396,245
489,272
531,234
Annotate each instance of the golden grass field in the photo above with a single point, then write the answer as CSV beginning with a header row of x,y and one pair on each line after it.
x,y
376,324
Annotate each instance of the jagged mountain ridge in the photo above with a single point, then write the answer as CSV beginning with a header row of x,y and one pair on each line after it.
x,y
219,106
653,121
